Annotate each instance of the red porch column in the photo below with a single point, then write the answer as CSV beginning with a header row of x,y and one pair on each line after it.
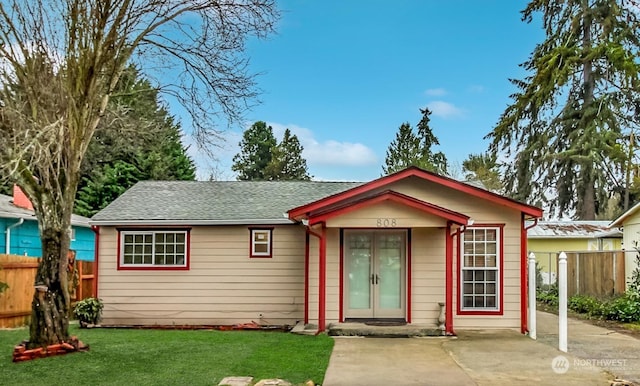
x,y
448,313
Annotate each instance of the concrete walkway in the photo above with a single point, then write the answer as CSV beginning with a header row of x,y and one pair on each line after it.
x,y
495,357
617,353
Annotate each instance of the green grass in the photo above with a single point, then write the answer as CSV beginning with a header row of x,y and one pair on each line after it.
x,y
170,357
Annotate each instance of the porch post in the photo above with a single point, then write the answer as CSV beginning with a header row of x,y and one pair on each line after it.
x,y
322,279
448,323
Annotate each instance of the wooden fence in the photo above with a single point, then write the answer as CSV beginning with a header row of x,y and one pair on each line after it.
x,y
19,273
599,274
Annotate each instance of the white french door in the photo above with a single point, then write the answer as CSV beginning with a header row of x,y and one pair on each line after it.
x,y
375,272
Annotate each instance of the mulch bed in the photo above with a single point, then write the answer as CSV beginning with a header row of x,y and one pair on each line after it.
x,y
21,354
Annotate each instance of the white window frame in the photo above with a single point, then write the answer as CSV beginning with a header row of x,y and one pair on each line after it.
x,y
496,269
267,242
154,253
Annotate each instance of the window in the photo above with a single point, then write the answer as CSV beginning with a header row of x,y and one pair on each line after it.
x,y
154,249
261,242
480,269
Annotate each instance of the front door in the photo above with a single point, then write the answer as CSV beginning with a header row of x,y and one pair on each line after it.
x,y
375,274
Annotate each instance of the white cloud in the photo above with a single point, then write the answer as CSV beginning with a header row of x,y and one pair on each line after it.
x,y
329,152
444,109
435,92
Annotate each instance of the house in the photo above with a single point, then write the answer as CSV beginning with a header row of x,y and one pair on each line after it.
x,y
548,238
22,237
629,223
227,252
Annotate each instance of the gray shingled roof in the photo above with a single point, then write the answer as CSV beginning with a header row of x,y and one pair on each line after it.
x,y
8,210
214,202
571,230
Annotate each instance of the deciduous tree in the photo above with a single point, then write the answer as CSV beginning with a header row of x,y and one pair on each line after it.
x,y
61,62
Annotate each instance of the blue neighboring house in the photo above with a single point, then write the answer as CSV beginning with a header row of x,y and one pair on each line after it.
x,y
19,228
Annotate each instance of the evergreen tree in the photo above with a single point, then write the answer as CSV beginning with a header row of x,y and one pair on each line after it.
x,y
137,140
287,162
255,152
564,131
415,149
485,169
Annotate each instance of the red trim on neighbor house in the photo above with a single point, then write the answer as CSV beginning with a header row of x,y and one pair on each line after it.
x,y
399,198
187,254
341,285
251,254
96,257
524,263
500,310
306,277
302,211
448,313
408,268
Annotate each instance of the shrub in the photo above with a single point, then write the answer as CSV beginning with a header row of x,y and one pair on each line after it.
x,y
549,297
625,308
585,304
88,311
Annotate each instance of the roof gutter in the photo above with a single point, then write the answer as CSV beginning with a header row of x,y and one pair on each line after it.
x,y
7,248
278,221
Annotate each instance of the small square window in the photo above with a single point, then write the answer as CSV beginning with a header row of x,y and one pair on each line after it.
x,y
261,242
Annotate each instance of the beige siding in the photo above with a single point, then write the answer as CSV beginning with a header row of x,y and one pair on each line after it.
x,y
428,274
382,215
223,285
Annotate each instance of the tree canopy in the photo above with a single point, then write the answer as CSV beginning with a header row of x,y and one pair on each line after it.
x,y
567,132
137,140
485,169
61,63
411,148
262,158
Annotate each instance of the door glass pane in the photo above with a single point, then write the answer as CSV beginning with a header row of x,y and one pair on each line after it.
x,y
390,271
359,257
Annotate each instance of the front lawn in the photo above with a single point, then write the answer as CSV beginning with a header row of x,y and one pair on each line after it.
x,y
170,357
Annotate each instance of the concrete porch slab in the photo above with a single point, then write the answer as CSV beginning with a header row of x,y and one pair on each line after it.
x,y
404,331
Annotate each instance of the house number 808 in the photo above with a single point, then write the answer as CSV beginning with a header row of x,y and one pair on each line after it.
x,y
386,223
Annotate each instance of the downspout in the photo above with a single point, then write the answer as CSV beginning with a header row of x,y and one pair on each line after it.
x,y
96,255
322,275
523,275
306,278
7,248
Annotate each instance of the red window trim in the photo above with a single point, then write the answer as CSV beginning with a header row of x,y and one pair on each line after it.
x,y
123,267
500,310
261,256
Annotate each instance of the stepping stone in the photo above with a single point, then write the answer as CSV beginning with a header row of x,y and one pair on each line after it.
x,y
236,381
273,382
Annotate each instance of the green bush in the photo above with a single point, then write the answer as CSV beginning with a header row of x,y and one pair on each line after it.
x,y
88,311
585,304
625,308
549,297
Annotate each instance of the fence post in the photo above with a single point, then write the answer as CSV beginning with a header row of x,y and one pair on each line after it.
x,y
532,295
562,302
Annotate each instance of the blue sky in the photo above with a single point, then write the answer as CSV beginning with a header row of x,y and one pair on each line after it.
x,y
344,75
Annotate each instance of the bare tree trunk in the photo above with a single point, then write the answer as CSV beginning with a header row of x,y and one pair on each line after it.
x,y
49,315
